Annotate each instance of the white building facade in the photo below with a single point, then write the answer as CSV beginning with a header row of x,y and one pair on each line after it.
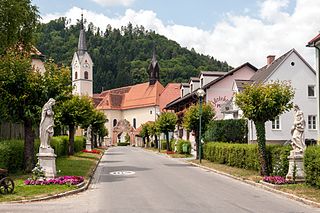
x,y
293,69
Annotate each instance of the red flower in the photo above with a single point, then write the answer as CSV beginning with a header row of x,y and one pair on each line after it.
x,y
94,151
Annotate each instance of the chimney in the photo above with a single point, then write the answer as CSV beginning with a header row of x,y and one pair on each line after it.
x,y
270,59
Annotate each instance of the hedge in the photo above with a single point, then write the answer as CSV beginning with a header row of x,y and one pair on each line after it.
x,y
180,144
233,130
123,144
246,156
312,165
164,144
11,151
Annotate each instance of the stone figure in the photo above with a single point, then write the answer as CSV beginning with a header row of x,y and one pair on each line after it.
x,y
89,133
297,131
47,124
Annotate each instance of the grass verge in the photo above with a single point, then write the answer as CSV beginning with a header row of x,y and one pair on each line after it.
x,y
81,164
175,155
300,190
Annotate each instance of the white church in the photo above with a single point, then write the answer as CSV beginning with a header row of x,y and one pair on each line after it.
x,y
126,108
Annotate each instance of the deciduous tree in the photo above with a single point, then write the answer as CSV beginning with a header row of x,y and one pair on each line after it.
x,y
261,103
166,123
74,112
191,119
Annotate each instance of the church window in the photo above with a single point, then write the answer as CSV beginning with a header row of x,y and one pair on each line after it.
x,y
76,75
114,122
134,123
86,75
150,112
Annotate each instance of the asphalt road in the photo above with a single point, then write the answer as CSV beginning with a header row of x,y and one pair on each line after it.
x,y
133,180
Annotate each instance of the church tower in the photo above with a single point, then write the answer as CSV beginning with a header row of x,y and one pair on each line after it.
x,y
82,67
154,69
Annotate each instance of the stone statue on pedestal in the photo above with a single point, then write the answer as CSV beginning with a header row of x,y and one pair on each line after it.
x,y
297,131
46,156
47,124
296,167
89,136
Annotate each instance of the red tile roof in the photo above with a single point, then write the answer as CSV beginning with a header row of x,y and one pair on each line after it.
x,y
170,93
314,40
135,96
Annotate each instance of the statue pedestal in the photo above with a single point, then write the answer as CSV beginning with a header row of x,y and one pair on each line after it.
x,y
296,168
47,160
88,146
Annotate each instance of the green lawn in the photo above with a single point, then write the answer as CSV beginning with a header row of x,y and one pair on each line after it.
x,y
81,164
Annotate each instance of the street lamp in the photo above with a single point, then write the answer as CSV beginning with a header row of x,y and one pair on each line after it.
x,y
200,94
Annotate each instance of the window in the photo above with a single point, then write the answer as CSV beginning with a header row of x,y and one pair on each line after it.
x,y
311,91
181,92
312,122
114,122
150,112
76,75
191,87
201,82
276,123
134,123
86,75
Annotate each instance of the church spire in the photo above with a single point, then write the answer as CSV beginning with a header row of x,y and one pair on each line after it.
x,y
154,68
82,45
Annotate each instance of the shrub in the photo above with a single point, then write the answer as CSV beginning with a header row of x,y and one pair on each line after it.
x,y
278,159
180,144
60,144
234,130
123,144
312,165
246,156
11,155
11,151
164,144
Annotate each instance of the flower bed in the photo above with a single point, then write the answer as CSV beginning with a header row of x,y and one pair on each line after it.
x,y
71,180
170,152
275,180
94,151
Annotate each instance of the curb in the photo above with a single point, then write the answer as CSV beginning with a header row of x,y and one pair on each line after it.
x,y
82,187
263,185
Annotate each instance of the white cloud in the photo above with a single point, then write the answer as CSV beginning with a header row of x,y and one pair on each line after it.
x,y
271,10
114,2
236,39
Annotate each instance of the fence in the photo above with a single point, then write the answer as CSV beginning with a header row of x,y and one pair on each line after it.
x,y
13,131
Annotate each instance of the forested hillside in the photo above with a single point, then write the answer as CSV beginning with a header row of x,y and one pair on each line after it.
x,y
121,56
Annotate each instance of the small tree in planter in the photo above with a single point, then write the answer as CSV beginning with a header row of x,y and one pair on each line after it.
x,y
191,120
261,103
166,123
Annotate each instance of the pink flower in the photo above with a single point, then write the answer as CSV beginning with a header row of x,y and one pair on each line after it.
x,y
73,180
275,180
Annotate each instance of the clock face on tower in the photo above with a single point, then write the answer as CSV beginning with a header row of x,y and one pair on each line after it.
x,y
86,65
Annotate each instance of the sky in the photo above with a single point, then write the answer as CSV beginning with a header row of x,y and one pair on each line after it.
x,y
235,31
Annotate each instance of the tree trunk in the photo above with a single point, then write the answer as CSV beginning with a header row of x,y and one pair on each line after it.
x,y
261,139
148,141
168,142
71,140
144,141
156,141
28,146
95,143
196,135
